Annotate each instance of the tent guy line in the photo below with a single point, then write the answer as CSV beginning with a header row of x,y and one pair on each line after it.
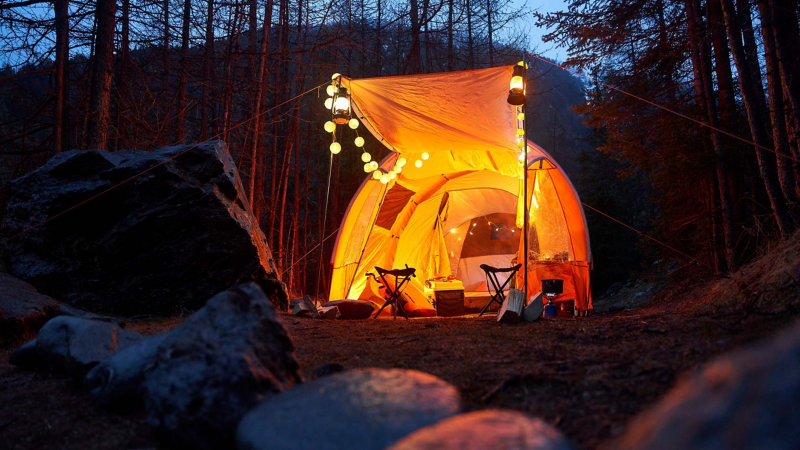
x,y
691,259
672,111
133,177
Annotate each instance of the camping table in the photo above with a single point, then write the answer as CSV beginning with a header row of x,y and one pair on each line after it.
x,y
447,296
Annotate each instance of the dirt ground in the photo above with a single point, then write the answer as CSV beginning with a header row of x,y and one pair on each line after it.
x,y
587,376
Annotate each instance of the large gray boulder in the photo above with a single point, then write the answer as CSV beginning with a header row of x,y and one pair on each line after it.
x,y
745,400
115,382
214,367
164,240
490,429
74,346
364,409
22,310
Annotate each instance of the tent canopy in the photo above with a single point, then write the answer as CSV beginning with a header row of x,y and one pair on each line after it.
x,y
464,206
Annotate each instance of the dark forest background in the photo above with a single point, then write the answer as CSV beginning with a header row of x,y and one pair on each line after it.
x,y
142,74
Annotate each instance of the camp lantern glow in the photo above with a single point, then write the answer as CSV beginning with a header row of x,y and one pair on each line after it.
x,y
516,92
341,107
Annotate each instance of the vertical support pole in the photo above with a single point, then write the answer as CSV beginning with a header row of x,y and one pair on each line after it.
x,y
525,181
525,205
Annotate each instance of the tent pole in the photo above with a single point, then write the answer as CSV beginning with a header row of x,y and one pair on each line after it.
x,y
525,182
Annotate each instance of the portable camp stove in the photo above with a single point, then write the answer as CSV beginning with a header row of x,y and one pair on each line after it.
x,y
551,289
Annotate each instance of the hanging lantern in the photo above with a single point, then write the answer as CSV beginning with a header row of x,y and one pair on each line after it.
x,y
331,89
368,167
401,162
330,126
516,93
328,103
366,157
336,148
425,156
418,163
376,174
384,179
374,165
359,141
353,124
341,107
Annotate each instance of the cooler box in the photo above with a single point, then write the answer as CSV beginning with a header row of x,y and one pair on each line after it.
x,y
448,296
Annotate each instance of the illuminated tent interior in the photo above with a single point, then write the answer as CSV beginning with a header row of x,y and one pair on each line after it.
x,y
457,201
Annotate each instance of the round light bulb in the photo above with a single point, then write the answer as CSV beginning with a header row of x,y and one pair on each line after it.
x,y
374,165
401,162
336,148
521,116
376,174
335,76
368,167
328,103
366,157
384,179
398,169
425,156
353,123
418,163
359,141
330,126
520,132
521,157
392,175
330,90
520,143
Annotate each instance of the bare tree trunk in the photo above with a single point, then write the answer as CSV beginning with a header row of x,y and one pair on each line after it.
x,y
100,97
414,52
776,108
491,32
751,50
787,51
470,41
165,83
62,76
378,45
727,102
449,35
187,9
754,115
702,74
208,54
263,77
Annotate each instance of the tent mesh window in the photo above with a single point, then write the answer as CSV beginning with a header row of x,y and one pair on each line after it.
x,y
549,239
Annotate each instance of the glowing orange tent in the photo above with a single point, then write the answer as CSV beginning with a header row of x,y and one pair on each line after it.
x,y
463,207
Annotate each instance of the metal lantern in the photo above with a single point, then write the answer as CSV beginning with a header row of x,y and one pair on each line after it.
x,y
341,107
516,92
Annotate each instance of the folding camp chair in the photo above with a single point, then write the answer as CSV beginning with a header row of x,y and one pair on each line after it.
x,y
401,277
493,283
